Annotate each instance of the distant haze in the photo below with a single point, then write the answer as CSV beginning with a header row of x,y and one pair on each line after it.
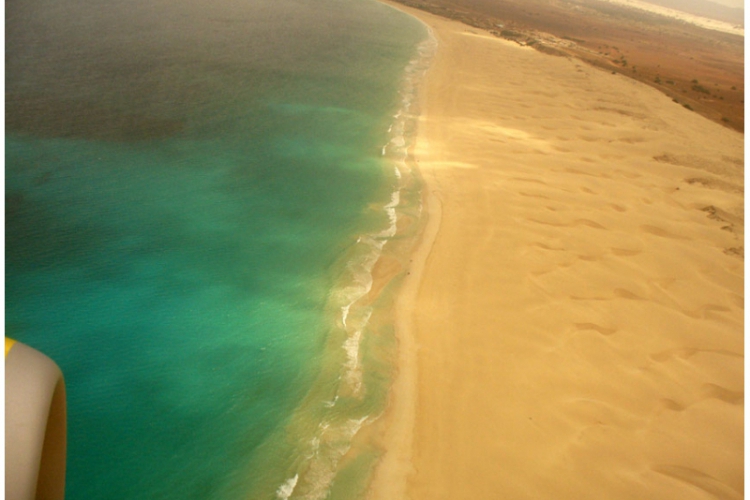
x,y
737,4
731,11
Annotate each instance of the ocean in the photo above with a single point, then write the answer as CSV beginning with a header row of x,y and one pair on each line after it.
x,y
199,195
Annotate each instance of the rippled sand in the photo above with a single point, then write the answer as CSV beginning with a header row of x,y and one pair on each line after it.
x,y
572,326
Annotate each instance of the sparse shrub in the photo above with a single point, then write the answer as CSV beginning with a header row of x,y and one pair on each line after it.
x,y
687,106
701,89
671,82
657,80
725,119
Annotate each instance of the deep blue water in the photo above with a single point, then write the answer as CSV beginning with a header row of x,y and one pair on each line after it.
x,y
182,182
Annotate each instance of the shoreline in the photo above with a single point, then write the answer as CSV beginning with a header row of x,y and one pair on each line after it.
x,y
587,246
390,477
336,427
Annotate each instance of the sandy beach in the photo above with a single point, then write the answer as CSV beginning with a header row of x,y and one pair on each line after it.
x,y
572,324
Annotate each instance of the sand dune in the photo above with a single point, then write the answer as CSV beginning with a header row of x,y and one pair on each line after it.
x,y
572,326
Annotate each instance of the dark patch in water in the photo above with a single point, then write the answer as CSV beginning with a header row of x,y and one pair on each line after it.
x,y
48,117
39,239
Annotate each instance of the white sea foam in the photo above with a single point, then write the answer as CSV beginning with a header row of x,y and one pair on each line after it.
x,y
345,313
334,442
353,370
353,367
395,200
390,209
398,141
332,403
286,489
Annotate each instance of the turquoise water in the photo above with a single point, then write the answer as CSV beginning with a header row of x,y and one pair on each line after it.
x,y
195,193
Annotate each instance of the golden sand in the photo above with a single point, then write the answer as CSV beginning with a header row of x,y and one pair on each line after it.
x,y
572,327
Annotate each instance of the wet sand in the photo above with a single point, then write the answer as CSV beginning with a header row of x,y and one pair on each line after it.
x,y
572,324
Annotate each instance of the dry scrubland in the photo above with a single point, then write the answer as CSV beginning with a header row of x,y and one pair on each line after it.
x,y
700,69
572,324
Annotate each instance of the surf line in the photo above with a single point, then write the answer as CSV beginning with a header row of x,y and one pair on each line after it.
x,y
334,436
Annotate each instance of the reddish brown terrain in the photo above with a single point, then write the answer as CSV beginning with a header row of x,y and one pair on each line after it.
x,y
700,69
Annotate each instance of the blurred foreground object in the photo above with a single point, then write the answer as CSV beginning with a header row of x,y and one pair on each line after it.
x,y
35,427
